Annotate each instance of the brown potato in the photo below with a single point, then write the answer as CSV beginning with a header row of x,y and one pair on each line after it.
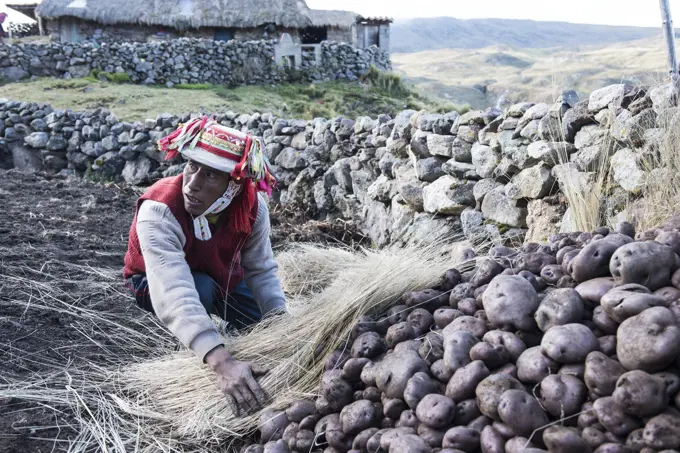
x,y
398,333
467,412
493,356
440,371
663,431
486,270
560,439
432,437
629,300
593,261
470,324
521,412
460,292
508,340
428,300
603,322
462,438
420,320
489,392
272,425
457,345
649,341
464,381
491,441
419,386
357,417
602,373
510,302
612,417
641,394
570,343
299,410
352,370
445,316
562,396
368,345
533,366
432,347
436,411
393,373
646,263
592,290
559,307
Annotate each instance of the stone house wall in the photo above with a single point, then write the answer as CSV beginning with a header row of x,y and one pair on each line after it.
x,y
490,175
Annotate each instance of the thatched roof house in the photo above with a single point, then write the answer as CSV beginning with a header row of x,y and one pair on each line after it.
x,y
73,20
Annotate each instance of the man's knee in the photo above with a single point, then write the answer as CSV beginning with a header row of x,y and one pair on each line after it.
x,y
206,288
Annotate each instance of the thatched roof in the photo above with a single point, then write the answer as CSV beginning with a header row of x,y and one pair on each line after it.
x,y
183,13
341,19
197,13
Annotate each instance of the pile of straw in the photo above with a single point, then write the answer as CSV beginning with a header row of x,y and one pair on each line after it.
x,y
171,403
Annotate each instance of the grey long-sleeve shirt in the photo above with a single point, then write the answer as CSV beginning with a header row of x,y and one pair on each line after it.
x,y
171,286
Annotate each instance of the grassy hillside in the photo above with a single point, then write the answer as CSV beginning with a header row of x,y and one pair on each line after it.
x,y
378,93
485,77
416,35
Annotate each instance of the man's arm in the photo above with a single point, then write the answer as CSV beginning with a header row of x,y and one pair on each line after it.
x,y
171,285
259,265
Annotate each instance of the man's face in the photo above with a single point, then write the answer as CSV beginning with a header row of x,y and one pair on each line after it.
x,y
201,186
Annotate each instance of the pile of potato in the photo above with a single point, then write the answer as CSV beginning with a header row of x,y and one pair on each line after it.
x,y
569,347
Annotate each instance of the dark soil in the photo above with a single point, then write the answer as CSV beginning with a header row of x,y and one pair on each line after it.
x,y
62,243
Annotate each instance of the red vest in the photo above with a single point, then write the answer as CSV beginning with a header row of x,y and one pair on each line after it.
x,y
220,257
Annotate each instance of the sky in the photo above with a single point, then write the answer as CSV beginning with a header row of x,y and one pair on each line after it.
x,y
642,13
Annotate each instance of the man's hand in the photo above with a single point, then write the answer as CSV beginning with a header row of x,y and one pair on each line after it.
x,y
236,380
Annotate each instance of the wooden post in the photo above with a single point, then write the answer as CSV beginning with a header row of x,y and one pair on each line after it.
x,y
669,33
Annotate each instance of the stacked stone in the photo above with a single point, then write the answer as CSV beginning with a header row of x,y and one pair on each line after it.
x,y
182,61
492,175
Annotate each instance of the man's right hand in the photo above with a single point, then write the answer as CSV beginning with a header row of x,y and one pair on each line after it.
x,y
237,381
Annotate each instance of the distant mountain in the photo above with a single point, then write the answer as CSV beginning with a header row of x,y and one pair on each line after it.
x,y
417,35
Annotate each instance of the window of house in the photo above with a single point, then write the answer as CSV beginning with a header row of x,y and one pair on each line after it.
x,y
222,34
372,35
313,35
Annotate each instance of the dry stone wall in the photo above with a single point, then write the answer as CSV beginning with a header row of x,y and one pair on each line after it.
x,y
488,174
184,61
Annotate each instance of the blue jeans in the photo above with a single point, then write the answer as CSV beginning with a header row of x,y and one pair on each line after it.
x,y
240,309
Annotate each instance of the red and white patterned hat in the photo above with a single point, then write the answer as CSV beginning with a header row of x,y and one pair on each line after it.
x,y
222,148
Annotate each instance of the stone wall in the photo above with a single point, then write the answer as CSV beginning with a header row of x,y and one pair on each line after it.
x,y
492,175
183,60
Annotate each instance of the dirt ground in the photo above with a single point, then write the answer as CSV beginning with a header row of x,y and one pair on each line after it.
x,y
62,243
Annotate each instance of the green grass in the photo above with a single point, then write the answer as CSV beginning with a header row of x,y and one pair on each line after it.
x,y
375,94
114,77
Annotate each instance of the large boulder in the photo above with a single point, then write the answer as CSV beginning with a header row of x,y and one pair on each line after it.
x,y
37,140
137,171
534,182
430,169
590,135
448,195
627,171
551,153
440,145
485,160
501,209
612,95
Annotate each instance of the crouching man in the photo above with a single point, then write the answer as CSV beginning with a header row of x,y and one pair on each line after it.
x,y
199,245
